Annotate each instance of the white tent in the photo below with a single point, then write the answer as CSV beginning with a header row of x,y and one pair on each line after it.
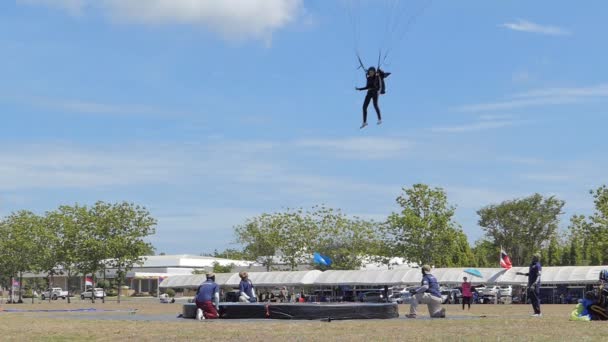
x,y
453,276
192,281
282,278
367,277
555,275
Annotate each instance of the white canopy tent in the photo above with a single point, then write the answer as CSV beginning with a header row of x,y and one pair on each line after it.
x,y
282,278
554,275
192,281
367,277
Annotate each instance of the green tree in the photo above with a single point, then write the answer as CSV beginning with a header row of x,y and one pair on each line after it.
x,y
25,244
424,231
231,253
348,241
597,230
485,253
260,237
219,268
125,226
71,226
521,226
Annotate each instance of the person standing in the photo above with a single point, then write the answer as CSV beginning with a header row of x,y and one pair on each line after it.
x,y
534,272
467,294
246,291
428,293
208,299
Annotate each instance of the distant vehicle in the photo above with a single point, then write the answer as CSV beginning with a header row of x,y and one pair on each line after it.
x,y
54,293
445,296
93,292
372,297
506,291
232,296
401,298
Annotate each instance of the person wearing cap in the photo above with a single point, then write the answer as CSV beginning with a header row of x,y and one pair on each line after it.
x,y
208,299
428,293
533,275
246,292
467,294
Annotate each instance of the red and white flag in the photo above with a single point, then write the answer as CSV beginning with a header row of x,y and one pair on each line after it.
x,y
505,261
88,281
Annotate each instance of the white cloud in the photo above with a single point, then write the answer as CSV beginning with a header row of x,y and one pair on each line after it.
x,y
359,148
528,26
485,122
543,97
233,19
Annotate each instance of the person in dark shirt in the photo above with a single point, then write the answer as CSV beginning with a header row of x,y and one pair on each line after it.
x,y
533,275
428,293
246,291
375,86
208,299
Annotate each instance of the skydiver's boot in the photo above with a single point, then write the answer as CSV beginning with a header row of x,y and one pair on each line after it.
x,y
364,125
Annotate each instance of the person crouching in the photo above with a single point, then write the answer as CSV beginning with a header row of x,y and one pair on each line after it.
x,y
428,293
246,291
208,299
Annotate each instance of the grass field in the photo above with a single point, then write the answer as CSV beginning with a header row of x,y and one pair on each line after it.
x,y
502,323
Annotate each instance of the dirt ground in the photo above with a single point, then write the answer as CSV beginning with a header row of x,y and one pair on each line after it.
x,y
154,322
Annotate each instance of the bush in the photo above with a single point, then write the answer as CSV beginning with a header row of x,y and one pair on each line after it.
x,y
104,284
28,293
170,293
111,293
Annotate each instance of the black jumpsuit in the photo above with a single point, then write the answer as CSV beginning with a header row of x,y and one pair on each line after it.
x,y
374,87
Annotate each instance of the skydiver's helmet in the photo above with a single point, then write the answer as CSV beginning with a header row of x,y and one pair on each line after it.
x,y
371,70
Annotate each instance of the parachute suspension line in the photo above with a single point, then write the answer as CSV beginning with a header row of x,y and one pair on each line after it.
x,y
406,27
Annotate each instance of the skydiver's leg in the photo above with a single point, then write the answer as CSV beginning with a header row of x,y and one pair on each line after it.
x,y
377,108
368,98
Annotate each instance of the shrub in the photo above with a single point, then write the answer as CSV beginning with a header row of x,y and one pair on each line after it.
x,y
170,293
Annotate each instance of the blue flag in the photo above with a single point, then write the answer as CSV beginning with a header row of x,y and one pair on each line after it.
x,y
321,259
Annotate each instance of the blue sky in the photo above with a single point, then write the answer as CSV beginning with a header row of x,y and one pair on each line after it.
x,y
210,112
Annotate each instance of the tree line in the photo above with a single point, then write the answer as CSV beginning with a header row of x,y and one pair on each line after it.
x,y
424,231
74,240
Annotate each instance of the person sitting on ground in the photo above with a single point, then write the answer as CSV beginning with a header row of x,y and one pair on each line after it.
x,y
208,299
246,291
428,293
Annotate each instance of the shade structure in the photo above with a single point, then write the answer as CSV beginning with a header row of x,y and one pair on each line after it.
x,y
555,275
366,277
278,278
192,281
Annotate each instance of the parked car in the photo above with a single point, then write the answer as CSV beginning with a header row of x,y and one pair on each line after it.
x,y
401,298
506,291
90,292
372,297
54,293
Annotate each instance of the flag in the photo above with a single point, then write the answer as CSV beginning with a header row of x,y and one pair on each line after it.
x,y
15,283
505,261
88,281
160,279
321,259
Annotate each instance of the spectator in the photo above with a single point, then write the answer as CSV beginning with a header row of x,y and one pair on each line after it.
x,y
466,293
